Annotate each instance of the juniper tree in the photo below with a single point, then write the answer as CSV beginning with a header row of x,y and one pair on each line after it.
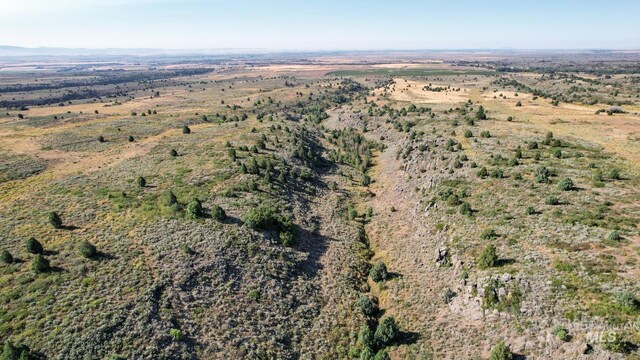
x,y
366,305
366,337
6,257
33,246
386,332
173,152
382,355
170,198
186,130
194,209
55,220
142,182
379,272
488,257
87,249
218,213
565,184
39,264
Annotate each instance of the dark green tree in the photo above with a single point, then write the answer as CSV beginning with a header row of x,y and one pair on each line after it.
x,y
170,198
366,336
6,257
386,332
39,264
55,220
488,257
87,249
194,209
218,213
33,246
379,272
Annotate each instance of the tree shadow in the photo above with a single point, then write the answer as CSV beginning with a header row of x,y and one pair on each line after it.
x,y
505,262
56,269
407,338
393,275
232,220
69,227
50,252
103,256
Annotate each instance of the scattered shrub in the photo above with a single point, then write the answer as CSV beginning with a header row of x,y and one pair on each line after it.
x,y
615,174
186,130
262,217
448,295
483,172
530,210
560,332
173,152
501,351
614,236
614,341
542,174
497,173
176,334
465,209
552,200
101,138
488,234
627,299
131,138
565,184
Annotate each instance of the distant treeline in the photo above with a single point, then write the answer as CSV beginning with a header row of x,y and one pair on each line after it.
x,y
108,77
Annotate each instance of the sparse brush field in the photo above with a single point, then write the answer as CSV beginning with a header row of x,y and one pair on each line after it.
x,y
320,212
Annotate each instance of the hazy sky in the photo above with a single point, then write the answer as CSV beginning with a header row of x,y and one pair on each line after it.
x,y
321,24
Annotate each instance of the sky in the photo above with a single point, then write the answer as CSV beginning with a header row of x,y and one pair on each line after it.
x,y
321,24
